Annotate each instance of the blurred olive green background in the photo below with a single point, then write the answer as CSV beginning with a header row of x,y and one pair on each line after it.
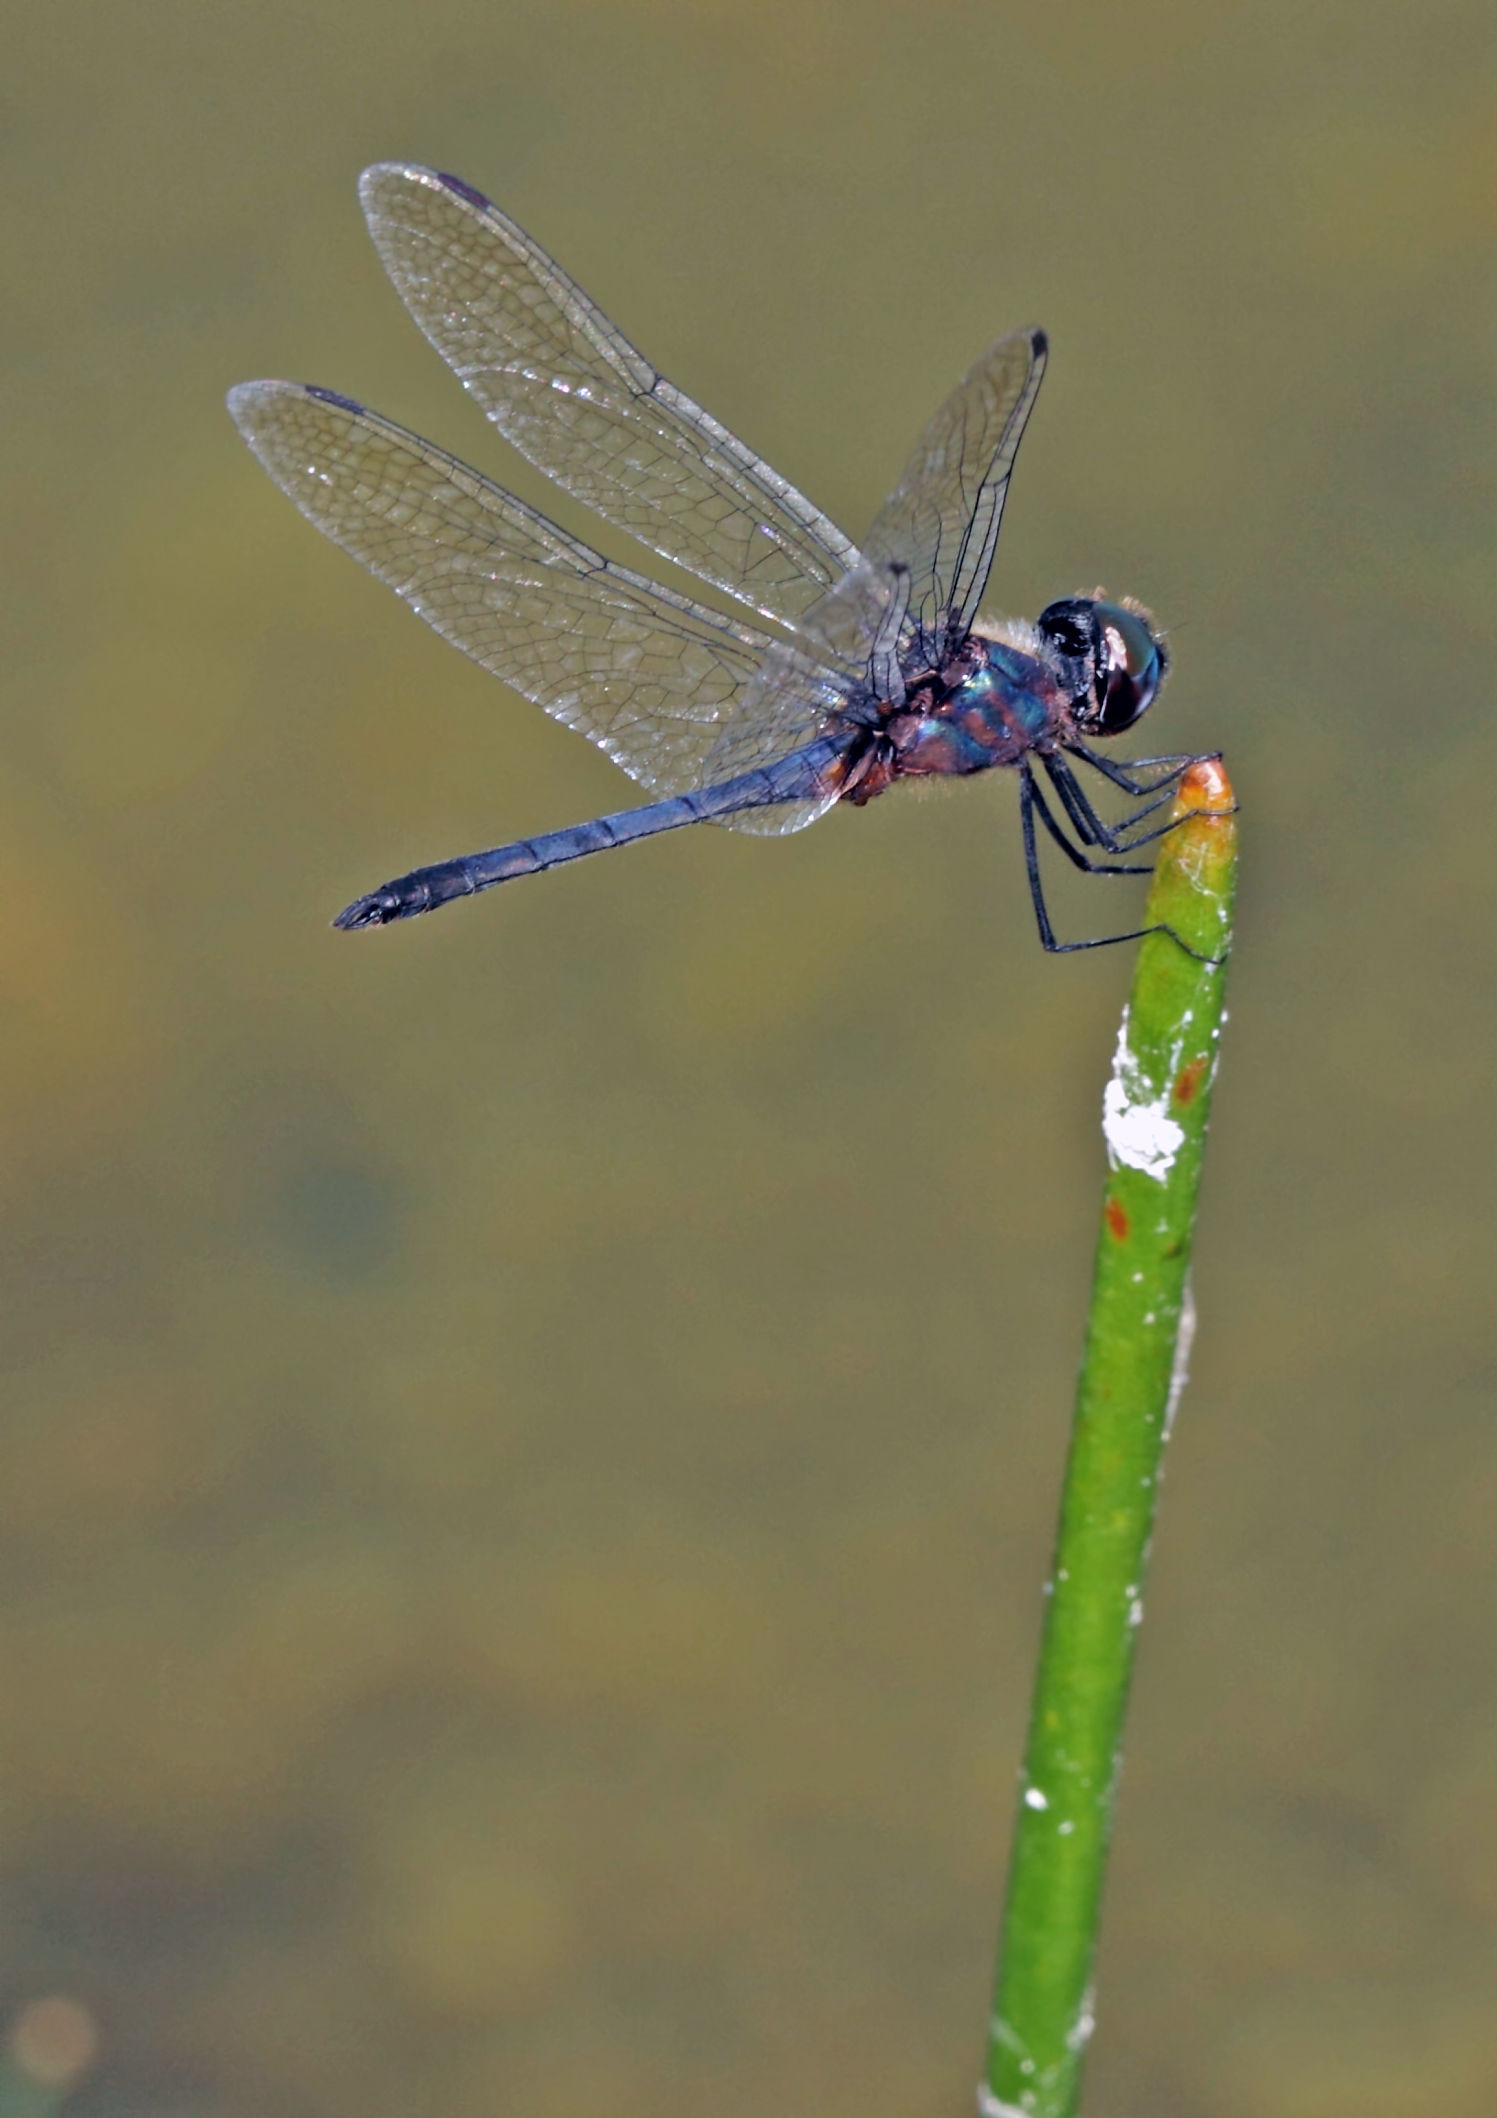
x,y
530,1440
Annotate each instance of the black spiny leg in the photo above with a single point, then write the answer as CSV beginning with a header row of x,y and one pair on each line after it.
x,y
1031,801
1092,831
1073,854
1087,824
1122,776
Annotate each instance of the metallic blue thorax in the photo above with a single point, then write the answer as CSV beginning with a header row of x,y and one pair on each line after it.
x,y
995,715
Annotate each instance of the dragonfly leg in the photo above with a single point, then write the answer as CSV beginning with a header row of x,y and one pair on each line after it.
x,y
1084,821
1072,853
1125,837
1088,825
1030,801
1122,776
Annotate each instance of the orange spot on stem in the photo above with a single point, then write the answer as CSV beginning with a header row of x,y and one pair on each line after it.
x,y
1188,1080
1116,1217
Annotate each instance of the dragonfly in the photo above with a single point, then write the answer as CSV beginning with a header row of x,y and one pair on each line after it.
x,y
844,669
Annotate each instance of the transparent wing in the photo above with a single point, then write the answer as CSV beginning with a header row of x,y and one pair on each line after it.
x,y
654,680
572,394
942,519
769,724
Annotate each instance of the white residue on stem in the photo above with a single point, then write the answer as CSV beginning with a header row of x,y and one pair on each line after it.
x,y
991,2106
1138,1128
1180,1372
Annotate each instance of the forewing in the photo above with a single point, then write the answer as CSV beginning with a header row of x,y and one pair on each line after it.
x,y
572,394
942,519
845,622
653,679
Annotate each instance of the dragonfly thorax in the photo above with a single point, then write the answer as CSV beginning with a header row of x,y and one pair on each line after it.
x,y
992,705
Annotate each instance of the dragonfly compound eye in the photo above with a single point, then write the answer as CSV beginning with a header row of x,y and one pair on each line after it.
x,y
1130,667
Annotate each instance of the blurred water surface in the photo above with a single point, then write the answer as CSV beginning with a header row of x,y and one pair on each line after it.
x,y
531,1439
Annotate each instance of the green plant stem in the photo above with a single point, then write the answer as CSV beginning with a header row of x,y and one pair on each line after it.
x,y
1137,1338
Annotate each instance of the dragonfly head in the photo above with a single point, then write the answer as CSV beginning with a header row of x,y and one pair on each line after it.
x,y
1111,658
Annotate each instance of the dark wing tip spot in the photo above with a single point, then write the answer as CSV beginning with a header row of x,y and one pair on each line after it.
x,y
1039,342
464,191
346,404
